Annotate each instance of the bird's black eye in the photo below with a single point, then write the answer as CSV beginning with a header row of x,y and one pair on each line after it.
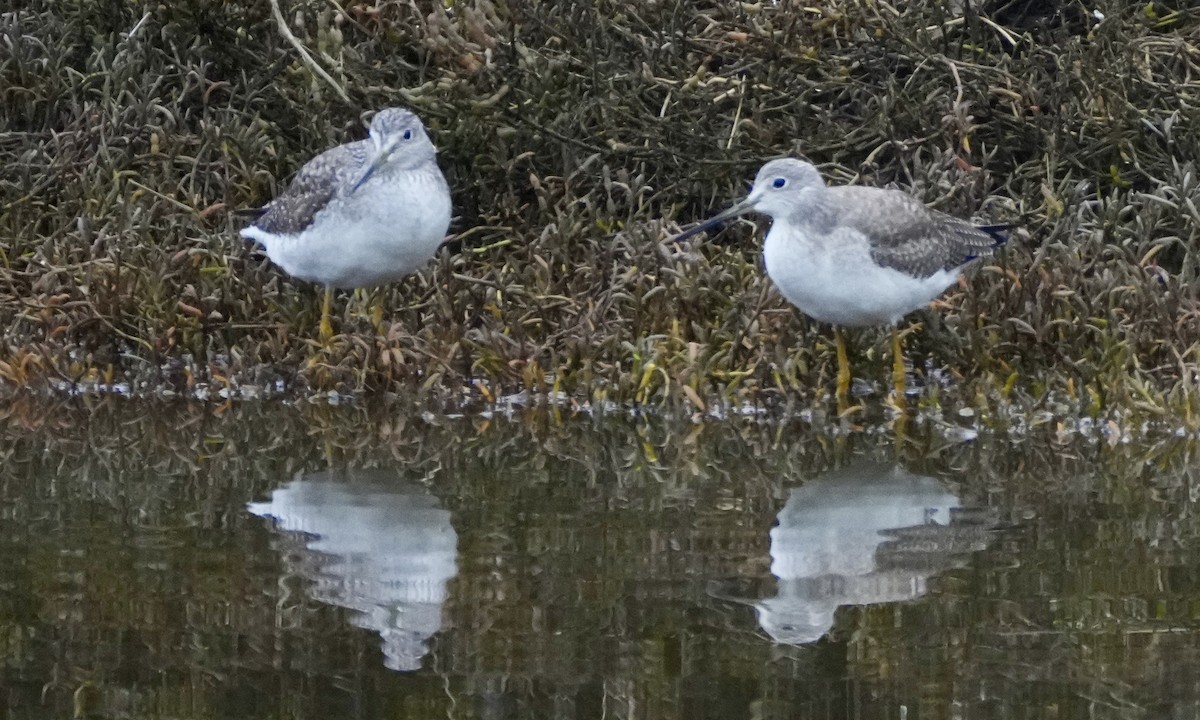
x,y
779,182
408,134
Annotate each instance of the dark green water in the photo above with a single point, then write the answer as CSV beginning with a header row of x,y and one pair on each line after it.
x,y
182,562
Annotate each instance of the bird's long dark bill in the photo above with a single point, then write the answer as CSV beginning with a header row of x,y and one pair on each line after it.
x,y
741,208
376,162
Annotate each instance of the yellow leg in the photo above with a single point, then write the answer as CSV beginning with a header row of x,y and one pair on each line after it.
x,y
376,312
367,303
326,329
843,376
899,375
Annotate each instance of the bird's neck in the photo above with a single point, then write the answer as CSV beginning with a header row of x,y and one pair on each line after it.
x,y
813,209
416,161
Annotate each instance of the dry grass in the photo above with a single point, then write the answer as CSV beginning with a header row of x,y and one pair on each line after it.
x,y
574,134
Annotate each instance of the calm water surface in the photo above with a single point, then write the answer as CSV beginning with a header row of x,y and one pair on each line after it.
x,y
189,562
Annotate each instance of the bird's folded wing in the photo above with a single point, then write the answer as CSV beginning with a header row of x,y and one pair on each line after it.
x,y
319,181
907,236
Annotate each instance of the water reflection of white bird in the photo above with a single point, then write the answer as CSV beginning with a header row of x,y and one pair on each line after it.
x,y
868,533
379,547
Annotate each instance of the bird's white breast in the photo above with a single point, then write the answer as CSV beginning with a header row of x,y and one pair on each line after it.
x,y
384,230
832,278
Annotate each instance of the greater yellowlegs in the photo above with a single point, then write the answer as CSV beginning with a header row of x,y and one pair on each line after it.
x,y
855,256
360,214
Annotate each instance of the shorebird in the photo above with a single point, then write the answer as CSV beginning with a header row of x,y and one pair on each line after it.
x,y
361,214
856,256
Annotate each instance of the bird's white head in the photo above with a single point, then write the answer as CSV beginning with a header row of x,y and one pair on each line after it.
x,y
783,185
781,188
398,140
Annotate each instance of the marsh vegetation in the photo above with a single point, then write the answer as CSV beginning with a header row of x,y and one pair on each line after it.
x,y
576,136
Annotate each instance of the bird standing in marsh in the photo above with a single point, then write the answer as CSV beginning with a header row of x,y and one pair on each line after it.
x,y
856,256
361,214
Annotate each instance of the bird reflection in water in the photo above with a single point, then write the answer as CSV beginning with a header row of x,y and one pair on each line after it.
x,y
375,545
868,533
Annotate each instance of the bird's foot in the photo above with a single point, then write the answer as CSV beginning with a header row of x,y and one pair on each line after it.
x,y
844,408
381,327
847,411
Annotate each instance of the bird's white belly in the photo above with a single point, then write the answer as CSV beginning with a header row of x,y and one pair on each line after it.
x,y
837,282
378,234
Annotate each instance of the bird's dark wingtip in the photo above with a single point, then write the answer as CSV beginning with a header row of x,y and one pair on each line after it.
x,y
996,232
249,216
249,213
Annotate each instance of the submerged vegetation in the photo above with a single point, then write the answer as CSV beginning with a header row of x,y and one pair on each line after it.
x,y
575,136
